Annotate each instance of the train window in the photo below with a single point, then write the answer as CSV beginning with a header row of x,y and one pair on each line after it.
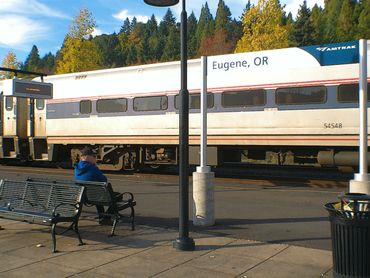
x,y
9,103
150,103
244,98
40,104
111,105
349,93
85,106
194,101
300,95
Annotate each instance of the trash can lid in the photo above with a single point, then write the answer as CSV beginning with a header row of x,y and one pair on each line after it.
x,y
355,196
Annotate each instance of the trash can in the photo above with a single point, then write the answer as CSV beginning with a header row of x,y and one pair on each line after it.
x,y
350,233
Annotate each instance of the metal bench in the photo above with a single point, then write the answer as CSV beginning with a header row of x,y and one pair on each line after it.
x,y
43,203
101,194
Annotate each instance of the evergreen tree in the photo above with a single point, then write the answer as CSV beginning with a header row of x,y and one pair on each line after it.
x,y
332,10
123,47
160,48
192,39
132,55
303,28
318,21
289,23
225,35
363,28
47,63
143,54
171,50
32,62
152,26
137,34
262,28
168,22
346,24
126,27
133,23
205,24
223,16
248,6
108,48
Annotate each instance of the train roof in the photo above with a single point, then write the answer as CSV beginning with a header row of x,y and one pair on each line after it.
x,y
224,71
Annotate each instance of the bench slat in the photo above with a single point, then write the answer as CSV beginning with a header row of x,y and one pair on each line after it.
x,y
48,203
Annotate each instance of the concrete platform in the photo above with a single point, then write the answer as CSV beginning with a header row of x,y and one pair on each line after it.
x,y
25,251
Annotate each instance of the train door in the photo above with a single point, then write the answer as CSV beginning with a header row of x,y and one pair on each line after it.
x,y
9,127
22,117
9,117
40,118
1,114
37,130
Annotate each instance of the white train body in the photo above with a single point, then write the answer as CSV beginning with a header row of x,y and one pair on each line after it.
x,y
288,106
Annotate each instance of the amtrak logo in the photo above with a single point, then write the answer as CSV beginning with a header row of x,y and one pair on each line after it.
x,y
335,48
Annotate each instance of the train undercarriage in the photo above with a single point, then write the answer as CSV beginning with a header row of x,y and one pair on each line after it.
x,y
133,157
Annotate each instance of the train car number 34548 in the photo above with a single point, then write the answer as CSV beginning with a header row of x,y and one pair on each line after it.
x,y
333,125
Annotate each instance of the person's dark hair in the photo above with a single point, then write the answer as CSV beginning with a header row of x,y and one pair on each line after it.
x,y
87,151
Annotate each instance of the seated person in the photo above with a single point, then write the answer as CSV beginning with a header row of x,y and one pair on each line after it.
x,y
86,170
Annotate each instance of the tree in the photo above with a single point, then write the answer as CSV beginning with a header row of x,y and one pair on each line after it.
x,y
168,22
123,47
192,39
83,25
303,28
262,28
126,27
332,10
79,53
152,26
109,50
222,39
144,51
205,26
47,63
10,61
131,55
33,61
171,50
318,21
363,28
346,24
223,16
217,44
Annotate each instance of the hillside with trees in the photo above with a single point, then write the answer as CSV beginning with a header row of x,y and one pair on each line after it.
x,y
265,25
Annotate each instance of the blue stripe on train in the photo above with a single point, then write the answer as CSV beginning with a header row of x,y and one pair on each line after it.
x,y
335,53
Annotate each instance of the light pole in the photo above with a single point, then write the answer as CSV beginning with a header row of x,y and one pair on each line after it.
x,y
183,242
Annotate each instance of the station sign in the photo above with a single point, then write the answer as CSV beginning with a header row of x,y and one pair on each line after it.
x,y
27,89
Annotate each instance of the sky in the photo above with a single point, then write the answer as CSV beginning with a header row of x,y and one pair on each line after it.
x,y
44,23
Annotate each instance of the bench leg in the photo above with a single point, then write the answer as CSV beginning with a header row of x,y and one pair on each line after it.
x,y
132,219
53,238
78,233
115,221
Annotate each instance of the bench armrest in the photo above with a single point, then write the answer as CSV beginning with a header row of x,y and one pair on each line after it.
x,y
127,197
77,206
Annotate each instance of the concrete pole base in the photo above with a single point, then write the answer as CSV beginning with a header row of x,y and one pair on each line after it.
x,y
203,199
361,184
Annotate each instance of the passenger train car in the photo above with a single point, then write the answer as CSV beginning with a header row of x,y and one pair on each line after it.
x,y
293,106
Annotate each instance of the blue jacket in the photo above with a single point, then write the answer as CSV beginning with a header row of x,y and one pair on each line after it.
x,y
86,171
